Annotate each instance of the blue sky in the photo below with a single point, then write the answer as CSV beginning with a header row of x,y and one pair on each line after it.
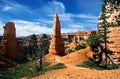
x,y
36,16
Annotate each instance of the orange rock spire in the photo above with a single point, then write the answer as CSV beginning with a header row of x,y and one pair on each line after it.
x,y
9,46
57,45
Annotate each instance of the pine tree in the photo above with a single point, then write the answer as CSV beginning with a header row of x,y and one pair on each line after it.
x,y
103,28
33,47
43,48
103,31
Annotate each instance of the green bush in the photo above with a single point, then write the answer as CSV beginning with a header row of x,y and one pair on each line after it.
x,y
57,66
69,51
29,70
69,40
78,47
91,65
110,66
23,70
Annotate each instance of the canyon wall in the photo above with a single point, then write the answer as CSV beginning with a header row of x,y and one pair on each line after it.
x,y
114,38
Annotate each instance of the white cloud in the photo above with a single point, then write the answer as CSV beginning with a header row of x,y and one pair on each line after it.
x,y
25,28
6,8
51,7
57,3
68,20
92,21
68,17
65,17
76,26
14,7
45,21
85,16
68,30
1,28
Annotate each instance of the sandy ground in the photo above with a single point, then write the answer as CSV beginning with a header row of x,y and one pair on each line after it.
x,y
73,58
79,73
74,72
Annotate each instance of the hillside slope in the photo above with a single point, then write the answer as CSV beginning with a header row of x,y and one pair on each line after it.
x,y
74,72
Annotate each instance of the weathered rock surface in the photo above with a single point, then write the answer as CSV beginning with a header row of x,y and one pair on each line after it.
x,y
9,46
114,36
56,44
112,12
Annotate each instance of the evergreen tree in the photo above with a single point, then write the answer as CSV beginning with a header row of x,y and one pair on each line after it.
x,y
33,42
103,31
43,48
33,47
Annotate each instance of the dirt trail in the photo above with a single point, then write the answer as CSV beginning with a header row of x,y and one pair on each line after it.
x,y
70,65
74,72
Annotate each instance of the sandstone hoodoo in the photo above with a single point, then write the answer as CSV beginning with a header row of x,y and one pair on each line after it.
x,y
9,46
56,44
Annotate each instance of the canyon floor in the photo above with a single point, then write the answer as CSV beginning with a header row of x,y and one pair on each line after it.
x,y
74,72
80,73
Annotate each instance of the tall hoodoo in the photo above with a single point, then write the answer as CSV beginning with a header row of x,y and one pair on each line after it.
x,y
56,44
9,46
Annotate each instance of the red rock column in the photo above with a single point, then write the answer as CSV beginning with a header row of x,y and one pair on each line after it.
x,y
57,44
11,43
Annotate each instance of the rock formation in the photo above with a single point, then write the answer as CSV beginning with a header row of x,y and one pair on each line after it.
x,y
56,44
9,46
114,37
112,13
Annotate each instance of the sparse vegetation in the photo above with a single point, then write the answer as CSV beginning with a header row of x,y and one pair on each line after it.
x,y
28,53
93,65
23,70
57,66
78,47
69,51
29,70
90,64
69,40
32,51
94,40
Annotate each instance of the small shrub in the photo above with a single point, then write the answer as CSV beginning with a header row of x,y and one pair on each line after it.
x,y
91,65
24,70
44,65
29,70
58,66
69,51
69,40
78,47
111,66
